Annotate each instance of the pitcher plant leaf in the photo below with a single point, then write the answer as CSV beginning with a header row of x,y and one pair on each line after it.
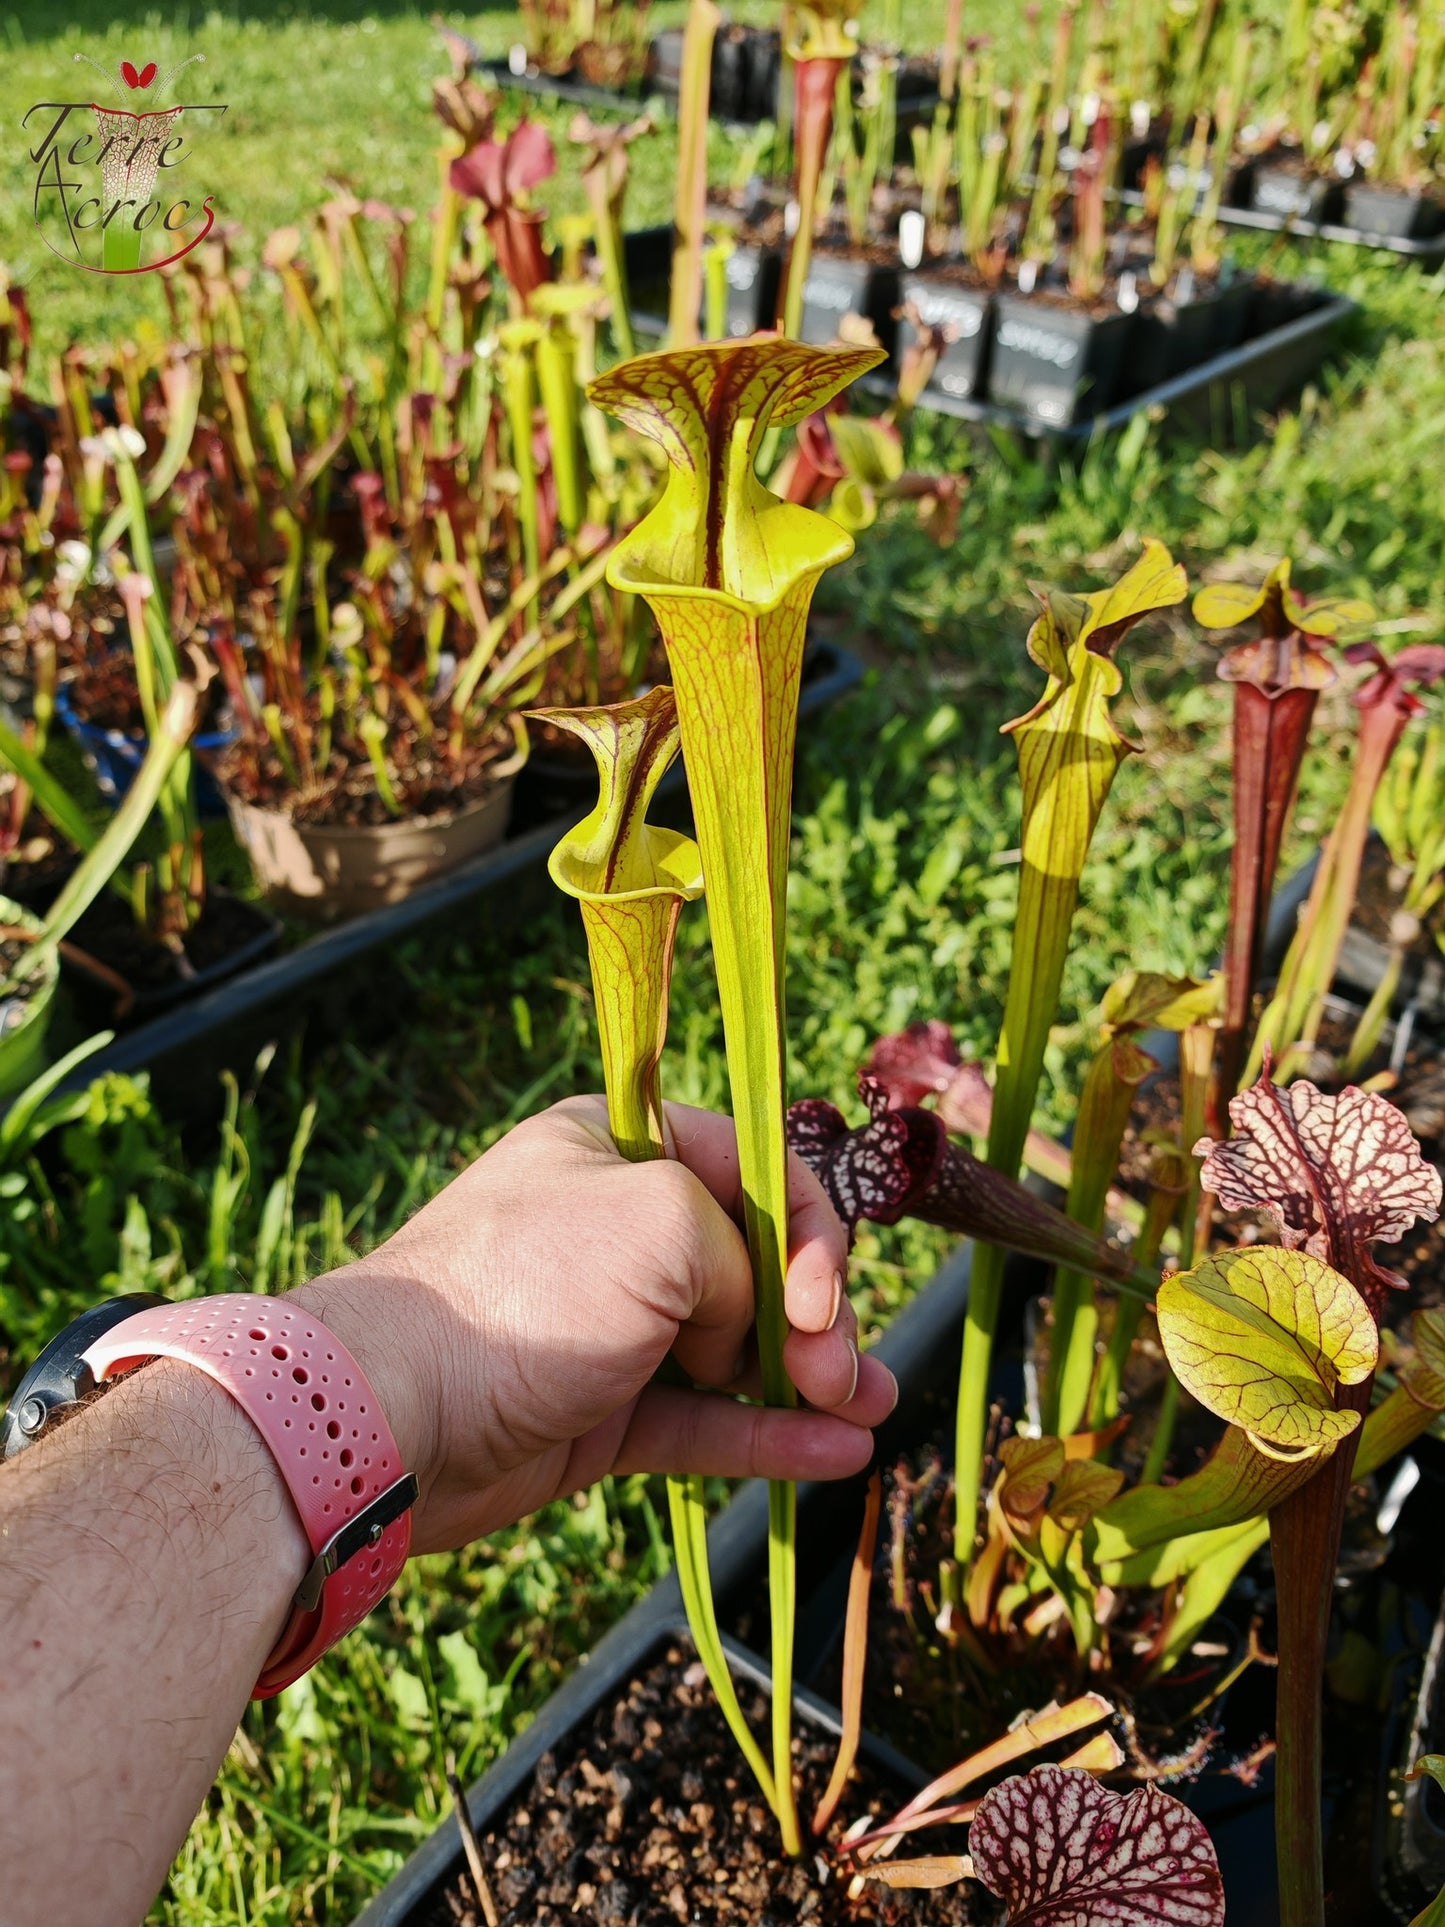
x,y
1263,1338
1064,1851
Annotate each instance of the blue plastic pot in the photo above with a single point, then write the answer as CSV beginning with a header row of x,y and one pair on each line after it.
x,y
115,755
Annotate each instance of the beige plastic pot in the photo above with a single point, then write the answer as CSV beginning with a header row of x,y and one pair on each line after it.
x,y
325,875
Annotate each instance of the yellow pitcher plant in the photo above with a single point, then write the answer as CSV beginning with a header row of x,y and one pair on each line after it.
x,y
632,878
729,570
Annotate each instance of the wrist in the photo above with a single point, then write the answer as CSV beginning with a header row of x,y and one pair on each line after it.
x,y
177,1435
383,1326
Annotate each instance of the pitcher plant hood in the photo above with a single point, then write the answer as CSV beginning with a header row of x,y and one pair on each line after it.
x,y
718,530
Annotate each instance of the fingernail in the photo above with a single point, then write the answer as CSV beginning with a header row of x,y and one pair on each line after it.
x,y
854,1386
837,1299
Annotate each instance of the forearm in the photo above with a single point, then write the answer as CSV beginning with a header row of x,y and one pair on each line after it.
x,y
148,1550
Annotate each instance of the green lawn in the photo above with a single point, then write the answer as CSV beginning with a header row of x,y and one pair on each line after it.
x,y
902,894
315,96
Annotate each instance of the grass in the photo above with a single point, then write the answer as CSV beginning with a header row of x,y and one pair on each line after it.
x,y
901,901
318,95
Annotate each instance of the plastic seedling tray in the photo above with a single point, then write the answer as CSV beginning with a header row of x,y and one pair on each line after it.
x,y
185,1044
633,1645
923,1338
1261,370
1429,251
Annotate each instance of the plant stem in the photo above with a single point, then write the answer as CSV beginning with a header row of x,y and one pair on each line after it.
x,y
690,203
1270,730
1104,1107
1104,1409
1305,1543
1295,1010
815,91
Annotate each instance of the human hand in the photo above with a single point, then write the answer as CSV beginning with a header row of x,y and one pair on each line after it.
x,y
512,1329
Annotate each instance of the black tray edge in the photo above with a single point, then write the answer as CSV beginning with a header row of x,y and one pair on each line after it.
x,y
629,1646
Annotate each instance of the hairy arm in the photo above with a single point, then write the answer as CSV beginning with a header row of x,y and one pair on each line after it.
x,y
148,1554
512,1331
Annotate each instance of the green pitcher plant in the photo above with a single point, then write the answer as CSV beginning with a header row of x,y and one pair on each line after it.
x,y
729,570
1139,1001
632,879
1069,751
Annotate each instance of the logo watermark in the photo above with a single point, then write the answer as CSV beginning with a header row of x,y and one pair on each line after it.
x,y
107,197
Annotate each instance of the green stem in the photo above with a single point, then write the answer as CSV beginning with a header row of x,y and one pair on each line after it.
x,y
690,201
688,1512
557,379
519,339
1104,1107
1128,1312
1163,1439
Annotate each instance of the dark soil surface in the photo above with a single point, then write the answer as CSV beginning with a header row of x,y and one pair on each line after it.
x,y
34,881
109,932
11,951
648,1817
426,780
103,692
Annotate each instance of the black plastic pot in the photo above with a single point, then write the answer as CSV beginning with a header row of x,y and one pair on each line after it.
x,y
754,278
225,1024
664,62
257,932
1290,195
967,315
1395,212
1170,338
840,284
765,73
1056,364
731,97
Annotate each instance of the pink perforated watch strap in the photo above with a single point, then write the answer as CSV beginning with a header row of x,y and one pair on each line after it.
x,y
311,1403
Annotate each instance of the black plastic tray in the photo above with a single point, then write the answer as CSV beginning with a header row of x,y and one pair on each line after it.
x,y
631,1645
1261,371
927,1331
1429,251
914,103
579,93
173,1041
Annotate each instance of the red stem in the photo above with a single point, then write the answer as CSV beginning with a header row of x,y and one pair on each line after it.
x,y
1304,1537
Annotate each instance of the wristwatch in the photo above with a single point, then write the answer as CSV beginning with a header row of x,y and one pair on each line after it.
x,y
311,1403
60,1378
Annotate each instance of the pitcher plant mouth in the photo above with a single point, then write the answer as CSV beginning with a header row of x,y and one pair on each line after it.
x,y
717,530
614,853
